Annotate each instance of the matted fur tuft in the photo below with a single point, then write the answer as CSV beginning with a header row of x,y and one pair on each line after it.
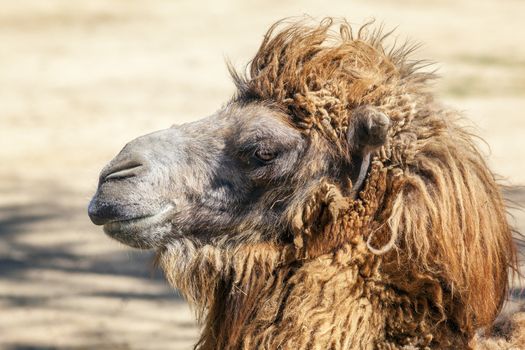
x,y
419,259
319,75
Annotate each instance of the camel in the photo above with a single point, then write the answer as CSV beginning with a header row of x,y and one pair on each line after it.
x,y
332,203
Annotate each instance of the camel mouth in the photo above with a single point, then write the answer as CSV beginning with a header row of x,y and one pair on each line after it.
x,y
142,232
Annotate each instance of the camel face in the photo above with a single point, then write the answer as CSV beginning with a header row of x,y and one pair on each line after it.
x,y
234,173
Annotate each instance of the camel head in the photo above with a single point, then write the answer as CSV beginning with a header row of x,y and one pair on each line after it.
x,y
332,159
235,176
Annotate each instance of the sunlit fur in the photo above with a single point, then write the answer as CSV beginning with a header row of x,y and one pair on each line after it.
x,y
419,259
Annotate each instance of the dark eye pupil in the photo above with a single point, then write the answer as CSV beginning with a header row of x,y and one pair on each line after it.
x,y
265,155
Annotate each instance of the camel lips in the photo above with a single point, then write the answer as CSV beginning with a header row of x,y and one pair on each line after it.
x,y
137,224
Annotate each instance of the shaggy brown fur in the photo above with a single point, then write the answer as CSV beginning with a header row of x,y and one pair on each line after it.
x,y
418,259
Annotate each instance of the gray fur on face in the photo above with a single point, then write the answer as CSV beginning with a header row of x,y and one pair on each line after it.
x,y
216,179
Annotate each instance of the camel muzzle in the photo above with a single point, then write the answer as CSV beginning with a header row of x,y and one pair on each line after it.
x,y
132,200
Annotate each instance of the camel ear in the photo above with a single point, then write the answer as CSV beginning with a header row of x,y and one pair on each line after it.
x,y
367,132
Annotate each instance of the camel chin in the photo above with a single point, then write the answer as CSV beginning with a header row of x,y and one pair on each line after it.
x,y
142,232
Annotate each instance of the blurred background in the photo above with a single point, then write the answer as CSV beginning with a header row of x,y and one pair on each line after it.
x,y
78,79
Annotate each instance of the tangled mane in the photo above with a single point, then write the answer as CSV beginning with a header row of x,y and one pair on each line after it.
x,y
319,76
426,240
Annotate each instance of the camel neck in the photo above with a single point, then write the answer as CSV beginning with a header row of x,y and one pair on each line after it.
x,y
265,298
321,303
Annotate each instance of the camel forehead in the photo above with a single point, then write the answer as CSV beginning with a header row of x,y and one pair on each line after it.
x,y
257,122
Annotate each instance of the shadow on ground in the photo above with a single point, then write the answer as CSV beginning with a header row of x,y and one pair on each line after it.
x,y
18,220
65,285
48,232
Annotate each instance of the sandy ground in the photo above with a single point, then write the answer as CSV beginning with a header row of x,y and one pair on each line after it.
x,y
78,79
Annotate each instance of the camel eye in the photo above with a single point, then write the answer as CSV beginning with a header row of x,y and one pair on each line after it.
x,y
265,155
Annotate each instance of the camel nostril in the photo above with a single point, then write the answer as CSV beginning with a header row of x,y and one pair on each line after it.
x,y
121,171
121,174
